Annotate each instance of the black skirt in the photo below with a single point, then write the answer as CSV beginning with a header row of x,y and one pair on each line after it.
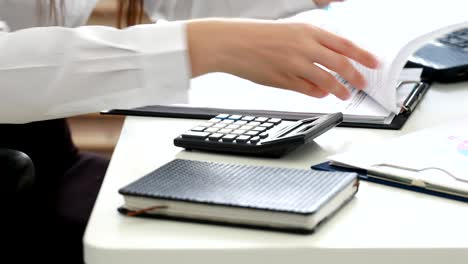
x,y
65,189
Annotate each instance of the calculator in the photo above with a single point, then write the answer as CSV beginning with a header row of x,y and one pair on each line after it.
x,y
255,135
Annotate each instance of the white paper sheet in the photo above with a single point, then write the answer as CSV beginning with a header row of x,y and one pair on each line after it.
x,y
437,156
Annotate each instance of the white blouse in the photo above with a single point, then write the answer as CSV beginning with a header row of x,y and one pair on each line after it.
x,y
53,72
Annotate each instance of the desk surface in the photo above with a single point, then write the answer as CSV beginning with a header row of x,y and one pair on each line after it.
x,y
380,225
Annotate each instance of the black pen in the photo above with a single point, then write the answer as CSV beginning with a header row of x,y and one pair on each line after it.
x,y
415,96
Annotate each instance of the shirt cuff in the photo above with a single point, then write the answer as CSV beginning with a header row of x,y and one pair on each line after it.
x,y
166,63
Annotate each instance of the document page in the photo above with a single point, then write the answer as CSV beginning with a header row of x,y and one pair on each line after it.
x,y
390,29
437,156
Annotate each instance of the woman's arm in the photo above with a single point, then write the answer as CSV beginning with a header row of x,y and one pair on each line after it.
x,y
265,9
57,72
54,72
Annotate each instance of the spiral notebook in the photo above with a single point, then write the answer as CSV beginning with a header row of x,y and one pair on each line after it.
x,y
243,195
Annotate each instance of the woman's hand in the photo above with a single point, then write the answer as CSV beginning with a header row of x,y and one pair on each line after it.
x,y
278,54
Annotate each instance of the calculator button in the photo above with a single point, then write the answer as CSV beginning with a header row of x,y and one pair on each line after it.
x,y
255,140
207,124
198,129
215,120
238,132
242,139
261,119
229,138
222,116
267,125
235,117
240,122
219,125
246,127
215,137
275,120
253,123
225,131
233,126
227,121
195,134
248,118
251,133
211,129
259,129
263,135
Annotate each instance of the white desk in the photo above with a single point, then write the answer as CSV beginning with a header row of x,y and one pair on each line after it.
x,y
380,225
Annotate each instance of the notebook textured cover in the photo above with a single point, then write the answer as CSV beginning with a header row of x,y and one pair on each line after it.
x,y
242,194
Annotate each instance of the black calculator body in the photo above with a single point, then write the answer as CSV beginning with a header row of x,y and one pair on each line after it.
x,y
257,136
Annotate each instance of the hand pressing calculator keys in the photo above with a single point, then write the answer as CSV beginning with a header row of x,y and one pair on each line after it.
x,y
258,136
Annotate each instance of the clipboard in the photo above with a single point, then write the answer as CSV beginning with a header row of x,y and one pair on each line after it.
x,y
408,106
432,160
391,181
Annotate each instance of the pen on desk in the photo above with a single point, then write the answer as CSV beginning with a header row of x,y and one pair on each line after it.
x,y
414,97
448,173
387,176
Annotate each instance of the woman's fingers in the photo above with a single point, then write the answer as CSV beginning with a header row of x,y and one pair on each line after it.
x,y
321,79
328,82
347,48
302,85
341,65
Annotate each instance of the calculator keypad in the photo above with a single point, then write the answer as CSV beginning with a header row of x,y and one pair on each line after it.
x,y
255,135
233,129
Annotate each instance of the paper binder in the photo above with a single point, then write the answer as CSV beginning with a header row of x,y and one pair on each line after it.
x,y
408,106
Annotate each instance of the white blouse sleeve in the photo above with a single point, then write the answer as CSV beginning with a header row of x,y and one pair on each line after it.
x,y
3,27
264,9
55,72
